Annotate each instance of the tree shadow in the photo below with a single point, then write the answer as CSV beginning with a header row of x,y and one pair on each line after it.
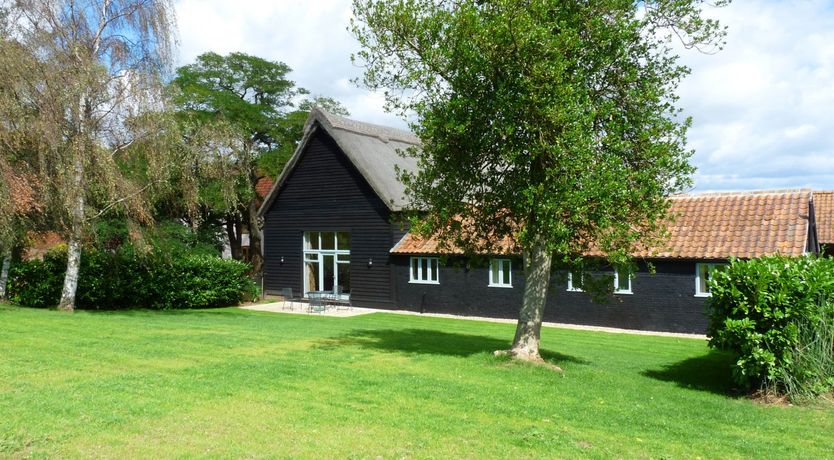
x,y
710,372
156,311
432,342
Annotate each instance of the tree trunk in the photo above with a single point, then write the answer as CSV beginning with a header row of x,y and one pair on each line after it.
x,y
537,261
4,274
233,232
74,244
71,277
256,259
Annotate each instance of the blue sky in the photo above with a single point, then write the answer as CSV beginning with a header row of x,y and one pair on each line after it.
x,y
763,108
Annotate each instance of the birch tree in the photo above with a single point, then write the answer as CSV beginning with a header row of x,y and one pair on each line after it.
x,y
20,194
552,123
92,75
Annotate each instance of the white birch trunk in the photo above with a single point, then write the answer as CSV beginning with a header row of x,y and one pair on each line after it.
x,y
74,245
4,275
537,261
71,277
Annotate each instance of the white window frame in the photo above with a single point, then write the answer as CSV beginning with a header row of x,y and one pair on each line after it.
x,y
424,278
317,256
617,289
710,267
571,288
501,264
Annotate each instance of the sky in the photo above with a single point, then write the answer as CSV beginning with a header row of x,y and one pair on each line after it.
x,y
762,108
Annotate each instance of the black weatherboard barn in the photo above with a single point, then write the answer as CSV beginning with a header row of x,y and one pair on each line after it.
x,y
329,219
331,222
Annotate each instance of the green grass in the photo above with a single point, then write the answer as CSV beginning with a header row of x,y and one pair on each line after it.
x,y
234,383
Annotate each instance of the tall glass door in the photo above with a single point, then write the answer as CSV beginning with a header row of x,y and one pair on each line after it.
x,y
327,262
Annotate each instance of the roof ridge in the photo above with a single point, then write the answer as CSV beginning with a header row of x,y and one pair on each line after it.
x,y
741,193
381,132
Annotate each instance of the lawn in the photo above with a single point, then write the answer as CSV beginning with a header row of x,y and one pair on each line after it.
x,y
234,383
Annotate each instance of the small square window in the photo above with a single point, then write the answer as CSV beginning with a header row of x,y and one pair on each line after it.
x,y
622,281
575,280
424,270
311,240
343,241
501,273
703,273
328,241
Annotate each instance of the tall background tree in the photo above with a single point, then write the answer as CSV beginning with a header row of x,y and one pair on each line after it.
x,y
550,122
90,77
262,113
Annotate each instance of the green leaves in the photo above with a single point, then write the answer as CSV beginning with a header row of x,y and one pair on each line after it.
x,y
777,314
538,118
124,280
250,92
239,121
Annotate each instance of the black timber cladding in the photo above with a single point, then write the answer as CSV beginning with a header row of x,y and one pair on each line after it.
x,y
663,301
325,192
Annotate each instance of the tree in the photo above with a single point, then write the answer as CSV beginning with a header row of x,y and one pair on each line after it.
x,y
90,76
19,204
551,123
291,130
256,100
20,194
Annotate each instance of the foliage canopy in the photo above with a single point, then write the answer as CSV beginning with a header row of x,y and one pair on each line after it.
x,y
551,122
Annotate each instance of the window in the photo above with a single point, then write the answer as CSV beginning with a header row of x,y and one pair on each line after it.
x,y
424,270
575,281
622,281
703,273
501,273
327,262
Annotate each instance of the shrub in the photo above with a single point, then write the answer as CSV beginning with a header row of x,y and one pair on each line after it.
x,y
777,315
36,283
122,280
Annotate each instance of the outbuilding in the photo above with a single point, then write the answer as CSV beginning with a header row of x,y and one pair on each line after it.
x,y
333,222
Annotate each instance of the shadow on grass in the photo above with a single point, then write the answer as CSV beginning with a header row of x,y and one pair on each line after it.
x,y
710,372
432,342
160,312
130,311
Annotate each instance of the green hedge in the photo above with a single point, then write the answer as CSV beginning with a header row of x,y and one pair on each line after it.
x,y
777,315
113,281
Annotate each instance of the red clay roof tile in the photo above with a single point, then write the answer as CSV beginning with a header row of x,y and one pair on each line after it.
x,y
710,226
824,210
263,186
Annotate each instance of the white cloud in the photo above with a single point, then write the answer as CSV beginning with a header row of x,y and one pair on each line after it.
x,y
763,108
311,37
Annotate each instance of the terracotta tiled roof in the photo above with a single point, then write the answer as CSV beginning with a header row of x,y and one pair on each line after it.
x,y
411,244
749,224
712,226
824,210
263,186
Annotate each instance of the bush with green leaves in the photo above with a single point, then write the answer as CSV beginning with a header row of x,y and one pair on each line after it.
x,y
122,280
777,315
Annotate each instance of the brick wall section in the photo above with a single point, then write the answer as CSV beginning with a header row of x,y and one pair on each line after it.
x,y
664,301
